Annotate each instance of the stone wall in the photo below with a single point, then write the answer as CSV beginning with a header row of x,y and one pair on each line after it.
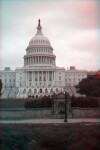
x,y
14,109
85,112
25,114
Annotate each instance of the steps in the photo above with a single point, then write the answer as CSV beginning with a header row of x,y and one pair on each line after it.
x,y
6,92
72,90
13,92
9,92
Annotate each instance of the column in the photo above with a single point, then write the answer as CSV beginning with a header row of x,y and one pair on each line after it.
x,y
40,59
38,76
49,60
27,75
27,61
43,59
42,77
30,60
46,60
36,59
52,75
48,75
32,75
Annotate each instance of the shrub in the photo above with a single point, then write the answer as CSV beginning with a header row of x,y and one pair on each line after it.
x,y
39,103
84,102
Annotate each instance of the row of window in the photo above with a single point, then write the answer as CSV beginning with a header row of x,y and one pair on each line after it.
x,y
76,75
74,79
40,41
40,59
9,80
40,91
7,76
39,50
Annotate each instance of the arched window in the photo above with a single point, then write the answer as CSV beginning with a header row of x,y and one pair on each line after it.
x,y
30,91
36,96
57,90
46,90
51,91
24,91
40,90
44,78
35,90
40,78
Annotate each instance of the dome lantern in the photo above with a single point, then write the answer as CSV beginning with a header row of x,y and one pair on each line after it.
x,y
39,28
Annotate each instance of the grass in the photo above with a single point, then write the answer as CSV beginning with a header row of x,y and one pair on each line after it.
x,y
77,136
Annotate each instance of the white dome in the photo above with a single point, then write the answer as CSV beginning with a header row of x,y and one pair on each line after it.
x,y
39,51
39,39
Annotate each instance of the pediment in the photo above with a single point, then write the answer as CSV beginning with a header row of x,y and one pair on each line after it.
x,y
60,96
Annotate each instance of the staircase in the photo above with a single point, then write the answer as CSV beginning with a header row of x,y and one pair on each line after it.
x,y
72,91
6,92
75,93
9,92
68,89
13,92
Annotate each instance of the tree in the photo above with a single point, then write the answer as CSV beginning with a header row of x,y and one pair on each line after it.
x,y
89,87
0,86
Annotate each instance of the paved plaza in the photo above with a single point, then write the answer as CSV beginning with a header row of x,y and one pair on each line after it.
x,y
33,121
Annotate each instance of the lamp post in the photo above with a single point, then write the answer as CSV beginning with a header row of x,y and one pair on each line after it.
x,y
65,120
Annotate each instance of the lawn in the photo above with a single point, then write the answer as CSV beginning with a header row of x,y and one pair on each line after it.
x,y
76,136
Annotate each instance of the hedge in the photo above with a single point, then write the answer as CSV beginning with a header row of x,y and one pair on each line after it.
x,y
39,103
85,102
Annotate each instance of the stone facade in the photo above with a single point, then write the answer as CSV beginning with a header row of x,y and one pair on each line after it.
x,y
86,112
40,76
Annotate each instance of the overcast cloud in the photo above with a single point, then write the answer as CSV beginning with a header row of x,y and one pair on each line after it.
x,y
72,28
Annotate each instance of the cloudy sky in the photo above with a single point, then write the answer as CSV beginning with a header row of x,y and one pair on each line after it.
x,y
71,26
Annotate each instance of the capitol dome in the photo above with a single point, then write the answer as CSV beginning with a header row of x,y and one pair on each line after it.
x,y
39,51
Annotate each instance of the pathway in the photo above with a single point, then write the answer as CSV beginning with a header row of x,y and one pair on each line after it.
x,y
97,120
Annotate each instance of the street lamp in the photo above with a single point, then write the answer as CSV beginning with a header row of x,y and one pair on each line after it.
x,y
65,120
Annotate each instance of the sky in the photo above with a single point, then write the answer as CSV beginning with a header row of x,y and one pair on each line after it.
x,y
73,28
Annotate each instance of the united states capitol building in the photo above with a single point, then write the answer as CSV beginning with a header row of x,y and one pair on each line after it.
x,y
39,76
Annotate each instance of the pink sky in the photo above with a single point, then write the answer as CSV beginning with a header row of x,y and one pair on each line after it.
x,y
71,26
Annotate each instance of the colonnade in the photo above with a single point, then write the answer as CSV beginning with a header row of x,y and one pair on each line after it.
x,y
39,60
40,75
38,50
